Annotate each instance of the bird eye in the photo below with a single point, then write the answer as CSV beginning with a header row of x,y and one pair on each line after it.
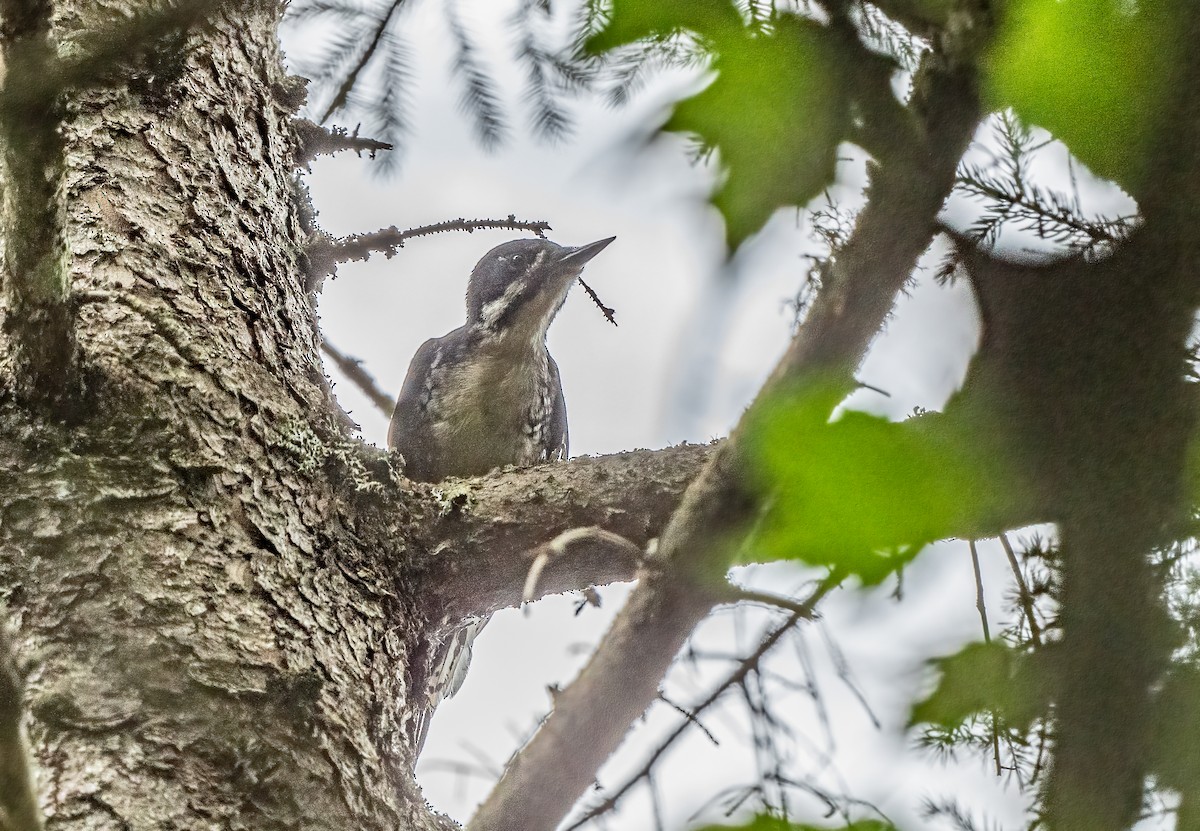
x,y
517,259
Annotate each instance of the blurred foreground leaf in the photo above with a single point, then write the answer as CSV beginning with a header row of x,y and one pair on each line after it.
x,y
985,677
634,20
764,823
776,111
862,493
1092,72
1176,738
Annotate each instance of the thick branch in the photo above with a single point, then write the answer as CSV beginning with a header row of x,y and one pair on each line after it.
x,y
490,530
591,717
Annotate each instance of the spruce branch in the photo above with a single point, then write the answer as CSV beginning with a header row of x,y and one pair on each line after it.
x,y
549,117
326,253
1010,199
364,56
316,140
479,97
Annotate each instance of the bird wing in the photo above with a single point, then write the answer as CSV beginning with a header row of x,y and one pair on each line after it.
x,y
409,431
555,427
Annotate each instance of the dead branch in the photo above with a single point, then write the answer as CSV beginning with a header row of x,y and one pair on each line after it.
x,y
355,374
325,253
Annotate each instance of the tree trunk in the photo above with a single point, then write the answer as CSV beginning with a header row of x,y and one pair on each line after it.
x,y
206,643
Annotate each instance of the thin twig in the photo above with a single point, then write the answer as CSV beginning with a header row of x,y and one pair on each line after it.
x,y
557,547
843,673
326,253
980,604
655,803
737,594
355,374
608,312
690,716
987,638
1023,593
735,678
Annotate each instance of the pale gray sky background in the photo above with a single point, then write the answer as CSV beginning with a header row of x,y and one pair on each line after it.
x,y
695,341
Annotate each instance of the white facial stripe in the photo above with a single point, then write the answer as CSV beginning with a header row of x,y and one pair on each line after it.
x,y
492,310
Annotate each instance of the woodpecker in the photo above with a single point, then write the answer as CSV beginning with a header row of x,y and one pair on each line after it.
x,y
488,394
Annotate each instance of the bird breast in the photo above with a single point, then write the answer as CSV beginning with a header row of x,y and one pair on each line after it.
x,y
497,402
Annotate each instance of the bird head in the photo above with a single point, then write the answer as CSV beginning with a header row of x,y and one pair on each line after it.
x,y
520,285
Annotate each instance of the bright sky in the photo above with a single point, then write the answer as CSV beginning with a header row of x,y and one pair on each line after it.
x,y
695,341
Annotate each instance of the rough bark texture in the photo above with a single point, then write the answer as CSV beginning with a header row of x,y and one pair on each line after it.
x,y
181,588
508,515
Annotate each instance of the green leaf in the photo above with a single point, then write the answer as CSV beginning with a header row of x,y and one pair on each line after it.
x,y
634,20
987,677
776,110
1092,72
971,682
862,494
1175,737
766,823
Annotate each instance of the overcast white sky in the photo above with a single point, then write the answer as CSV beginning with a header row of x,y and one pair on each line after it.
x,y
695,340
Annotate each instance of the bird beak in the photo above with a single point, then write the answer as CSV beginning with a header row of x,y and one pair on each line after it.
x,y
578,256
